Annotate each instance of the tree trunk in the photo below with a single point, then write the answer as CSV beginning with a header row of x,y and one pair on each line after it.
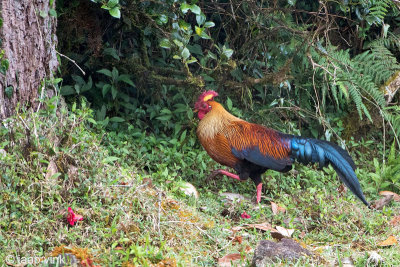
x,y
28,43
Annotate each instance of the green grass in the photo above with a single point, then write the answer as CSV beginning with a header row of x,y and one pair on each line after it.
x,y
126,186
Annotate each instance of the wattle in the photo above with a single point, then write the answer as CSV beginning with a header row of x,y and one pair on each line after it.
x,y
201,114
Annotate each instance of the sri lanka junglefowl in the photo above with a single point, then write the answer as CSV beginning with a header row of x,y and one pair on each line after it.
x,y
251,149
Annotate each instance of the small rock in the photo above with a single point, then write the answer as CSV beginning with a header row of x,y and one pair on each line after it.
x,y
347,262
374,259
268,251
3,153
233,197
189,190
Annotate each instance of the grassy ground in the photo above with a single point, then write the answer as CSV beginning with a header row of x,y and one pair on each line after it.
x,y
126,187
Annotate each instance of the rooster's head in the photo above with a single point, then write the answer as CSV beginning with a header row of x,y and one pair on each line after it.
x,y
202,106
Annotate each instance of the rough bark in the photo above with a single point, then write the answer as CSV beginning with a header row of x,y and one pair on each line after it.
x,y
28,41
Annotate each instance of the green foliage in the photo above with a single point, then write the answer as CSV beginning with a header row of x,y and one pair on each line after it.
x,y
392,114
175,50
387,174
360,77
112,6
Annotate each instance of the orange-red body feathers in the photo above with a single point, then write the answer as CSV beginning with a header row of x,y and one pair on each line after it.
x,y
219,132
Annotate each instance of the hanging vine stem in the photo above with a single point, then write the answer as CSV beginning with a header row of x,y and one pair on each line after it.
x,y
73,61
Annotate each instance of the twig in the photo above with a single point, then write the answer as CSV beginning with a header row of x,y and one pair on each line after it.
x,y
159,211
121,185
73,61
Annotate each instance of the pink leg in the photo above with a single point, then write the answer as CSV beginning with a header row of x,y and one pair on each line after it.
x,y
259,187
234,176
220,171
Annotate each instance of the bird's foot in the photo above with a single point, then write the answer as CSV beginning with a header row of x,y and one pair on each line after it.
x,y
223,172
259,189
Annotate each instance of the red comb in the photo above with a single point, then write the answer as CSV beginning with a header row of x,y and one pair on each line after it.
x,y
207,95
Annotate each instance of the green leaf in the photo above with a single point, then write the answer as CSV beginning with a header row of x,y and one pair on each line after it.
x,y
78,79
43,13
178,43
67,90
52,12
191,60
112,52
183,136
110,159
105,89
200,19
126,79
195,49
195,9
54,176
184,25
209,24
165,43
105,72
212,55
115,12
204,35
112,3
105,7
185,7
163,19
207,78
185,54
164,117
227,52
176,57
198,30
117,119
114,92
87,86
101,114
57,80
115,73
92,121
229,104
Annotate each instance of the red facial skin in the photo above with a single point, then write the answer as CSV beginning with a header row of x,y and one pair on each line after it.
x,y
202,106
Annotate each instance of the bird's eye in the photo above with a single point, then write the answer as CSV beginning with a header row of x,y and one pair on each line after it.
x,y
209,106
204,105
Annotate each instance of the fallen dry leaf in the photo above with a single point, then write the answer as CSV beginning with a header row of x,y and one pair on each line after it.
x,y
237,239
276,209
396,197
395,220
261,226
281,232
388,242
379,204
148,182
342,190
51,169
226,261
248,249
302,235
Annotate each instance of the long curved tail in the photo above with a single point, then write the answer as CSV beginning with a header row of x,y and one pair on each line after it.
x,y
307,150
